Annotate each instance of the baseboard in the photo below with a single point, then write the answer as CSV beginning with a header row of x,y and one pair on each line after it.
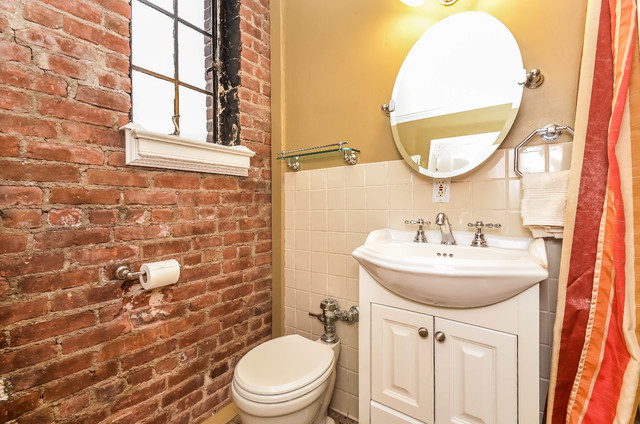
x,y
224,415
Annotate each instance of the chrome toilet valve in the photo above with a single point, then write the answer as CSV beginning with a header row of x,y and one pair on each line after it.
x,y
330,313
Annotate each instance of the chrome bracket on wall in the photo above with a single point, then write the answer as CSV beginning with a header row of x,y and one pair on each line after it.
x,y
549,134
388,108
293,156
534,79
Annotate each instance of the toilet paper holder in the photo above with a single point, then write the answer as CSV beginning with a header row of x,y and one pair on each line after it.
x,y
124,273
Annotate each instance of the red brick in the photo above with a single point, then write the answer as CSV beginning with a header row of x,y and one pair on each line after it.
x,y
138,377
65,153
90,417
26,125
141,233
190,386
58,281
201,272
198,228
50,328
65,217
30,355
117,159
117,24
147,355
18,405
104,293
99,255
95,35
118,63
161,215
139,413
54,371
236,238
35,12
38,81
75,111
19,311
183,373
92,134
77,8
79,196
12,243
14,52
110,390
73,406
132,342
79,382
94,336
23,171
49,40
120,178
23,265
205,242
135,215
67,238
14,100
70,67
139,396
176,181
104,98
9,145
103,217
67,300
149,197
21,218
165,248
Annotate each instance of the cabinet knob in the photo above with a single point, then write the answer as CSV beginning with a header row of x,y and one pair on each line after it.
x,y
423,332
440,336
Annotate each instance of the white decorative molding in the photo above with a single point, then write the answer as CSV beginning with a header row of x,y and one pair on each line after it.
x,y
146,148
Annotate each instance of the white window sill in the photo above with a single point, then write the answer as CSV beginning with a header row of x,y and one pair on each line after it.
x,y
146,148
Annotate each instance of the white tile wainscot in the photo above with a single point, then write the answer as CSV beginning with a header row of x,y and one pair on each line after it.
x,y
330,211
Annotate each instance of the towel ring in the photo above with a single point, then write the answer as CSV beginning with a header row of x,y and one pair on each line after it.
x,y
549,133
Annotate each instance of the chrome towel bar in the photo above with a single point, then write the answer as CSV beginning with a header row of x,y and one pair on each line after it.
x,y
549,134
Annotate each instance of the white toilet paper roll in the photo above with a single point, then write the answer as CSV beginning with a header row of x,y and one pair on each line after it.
x,y
159,274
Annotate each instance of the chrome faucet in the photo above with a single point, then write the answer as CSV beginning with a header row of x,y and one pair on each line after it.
x,y
420,235
445,229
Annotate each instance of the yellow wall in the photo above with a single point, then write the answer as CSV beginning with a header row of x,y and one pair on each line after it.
x,y
337,61
334,62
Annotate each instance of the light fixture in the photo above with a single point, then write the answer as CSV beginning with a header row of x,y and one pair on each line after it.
x,y
413,3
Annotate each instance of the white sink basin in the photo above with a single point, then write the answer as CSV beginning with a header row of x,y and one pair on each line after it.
x,y
457,276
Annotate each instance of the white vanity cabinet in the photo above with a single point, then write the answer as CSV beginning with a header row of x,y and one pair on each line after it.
x,y
427,364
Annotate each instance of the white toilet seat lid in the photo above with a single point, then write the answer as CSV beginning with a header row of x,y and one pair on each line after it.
x,y
282,365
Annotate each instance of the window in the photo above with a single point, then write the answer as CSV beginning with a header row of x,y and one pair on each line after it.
x,y
185,73
173,78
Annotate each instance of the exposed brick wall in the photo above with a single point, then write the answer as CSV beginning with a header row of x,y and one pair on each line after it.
x,y
76,345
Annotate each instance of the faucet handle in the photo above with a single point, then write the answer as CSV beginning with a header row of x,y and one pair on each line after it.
x,y
480,224
417,221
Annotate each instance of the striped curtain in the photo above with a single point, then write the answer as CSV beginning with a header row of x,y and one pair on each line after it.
x,y
596,357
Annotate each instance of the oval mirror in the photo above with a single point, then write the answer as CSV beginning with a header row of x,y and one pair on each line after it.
x,y
456,94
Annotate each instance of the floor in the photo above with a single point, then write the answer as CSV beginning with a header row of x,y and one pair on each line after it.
x,y
339,419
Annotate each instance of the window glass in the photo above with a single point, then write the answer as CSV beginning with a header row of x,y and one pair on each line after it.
x,y
152,39
191,57
193,114
152,102
170,56
193,11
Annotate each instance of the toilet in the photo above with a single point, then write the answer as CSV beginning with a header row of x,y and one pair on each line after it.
x,y
287,380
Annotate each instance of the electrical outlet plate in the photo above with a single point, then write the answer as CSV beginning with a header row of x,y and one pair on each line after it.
x,y
441,190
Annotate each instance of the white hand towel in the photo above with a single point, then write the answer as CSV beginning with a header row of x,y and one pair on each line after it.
x,y
543,201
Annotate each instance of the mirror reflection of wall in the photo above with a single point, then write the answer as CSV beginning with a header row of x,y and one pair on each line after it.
x,y
457,94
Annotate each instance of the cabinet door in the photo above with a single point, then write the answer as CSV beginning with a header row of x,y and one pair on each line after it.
x,y
402,361
476,375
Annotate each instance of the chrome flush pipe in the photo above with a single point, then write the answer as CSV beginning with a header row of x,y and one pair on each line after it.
x,y
445,229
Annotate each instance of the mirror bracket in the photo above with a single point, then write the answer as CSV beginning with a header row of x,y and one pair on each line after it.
x,y
388,108
534,79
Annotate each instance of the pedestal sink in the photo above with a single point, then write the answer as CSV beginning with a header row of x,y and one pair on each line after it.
x,y
458,276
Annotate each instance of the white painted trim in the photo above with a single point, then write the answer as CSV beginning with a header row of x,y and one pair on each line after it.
x,y
146,148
